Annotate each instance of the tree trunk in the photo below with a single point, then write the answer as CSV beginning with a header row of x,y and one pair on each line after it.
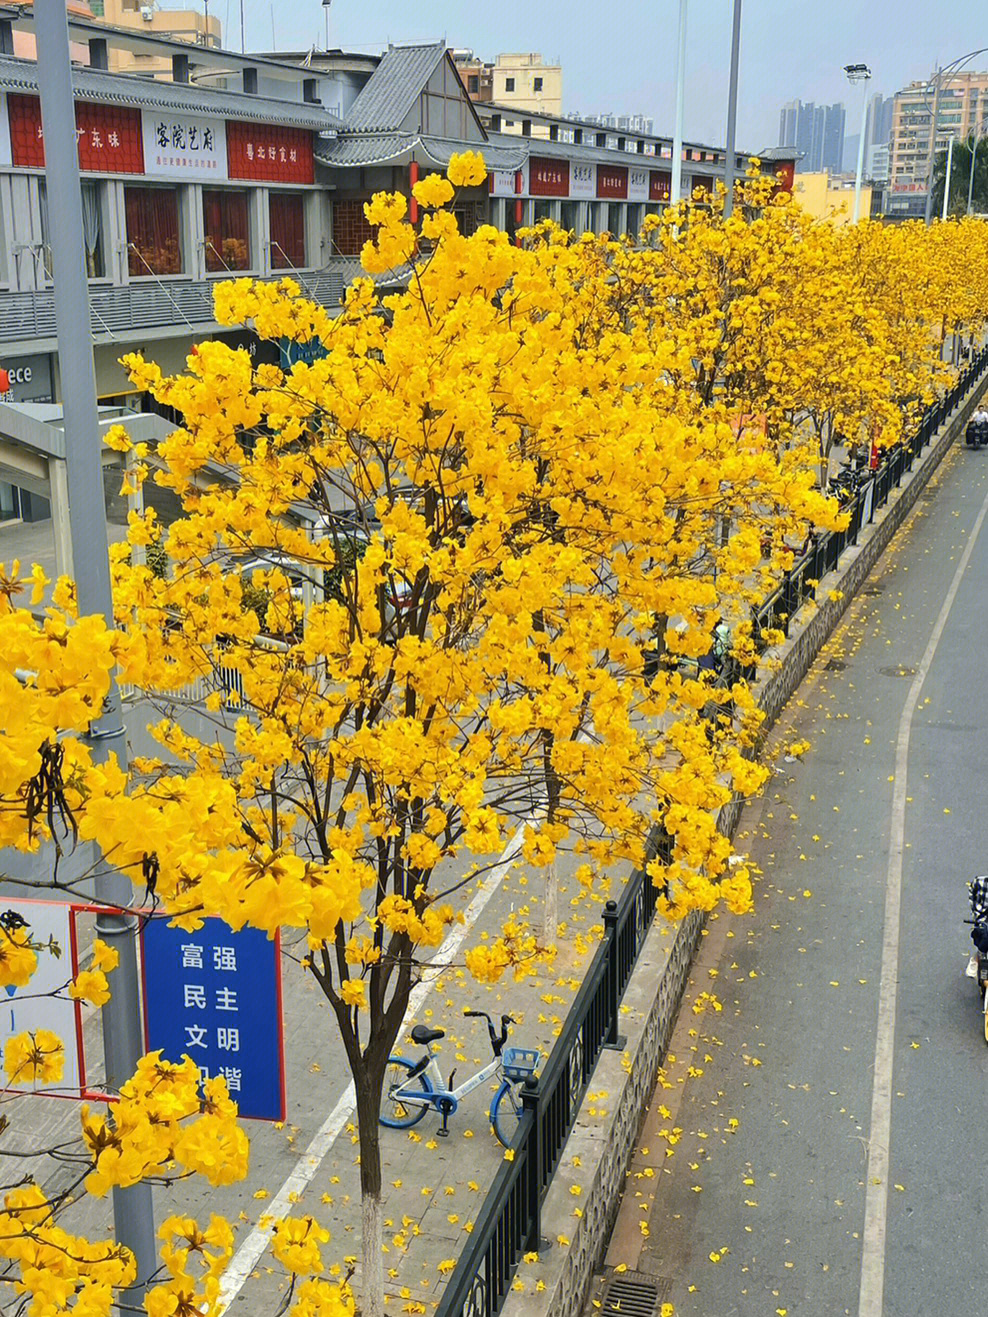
x,y
550,910
370,1302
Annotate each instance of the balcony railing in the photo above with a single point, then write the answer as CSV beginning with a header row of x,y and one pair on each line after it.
x,y
146,305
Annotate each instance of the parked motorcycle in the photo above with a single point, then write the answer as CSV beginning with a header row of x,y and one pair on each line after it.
x,y
976,434
977,967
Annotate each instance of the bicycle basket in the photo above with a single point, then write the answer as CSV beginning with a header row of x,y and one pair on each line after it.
x,y
520,1062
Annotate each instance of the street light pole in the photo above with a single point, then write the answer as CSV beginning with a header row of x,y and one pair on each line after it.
x,y
975,138
946,181
859,73
676,184
122,1033
732,112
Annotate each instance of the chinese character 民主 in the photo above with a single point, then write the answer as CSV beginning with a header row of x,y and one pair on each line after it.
x,y
225,958
191,955
226,999
228,1040
195,995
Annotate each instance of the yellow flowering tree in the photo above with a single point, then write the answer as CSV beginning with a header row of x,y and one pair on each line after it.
x,y
467,520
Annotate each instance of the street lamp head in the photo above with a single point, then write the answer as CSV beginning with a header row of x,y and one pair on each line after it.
x,y
857,72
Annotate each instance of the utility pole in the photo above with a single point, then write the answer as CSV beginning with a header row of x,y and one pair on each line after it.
x,y
931,155
123,1041
732,112
859,73
946,181
676,187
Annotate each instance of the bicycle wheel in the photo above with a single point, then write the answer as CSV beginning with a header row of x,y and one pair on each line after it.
x,y
398,1115
506,1112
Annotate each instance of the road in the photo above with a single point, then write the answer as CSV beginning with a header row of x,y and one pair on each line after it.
x,y
776,1197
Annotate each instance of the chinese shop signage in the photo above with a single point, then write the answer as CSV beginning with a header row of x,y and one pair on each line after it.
x,y
548,178
637,184
660,185
109,136
184,146
612,181
582,180
269,152
215,996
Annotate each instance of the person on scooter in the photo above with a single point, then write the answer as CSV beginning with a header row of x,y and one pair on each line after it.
x,y
979,933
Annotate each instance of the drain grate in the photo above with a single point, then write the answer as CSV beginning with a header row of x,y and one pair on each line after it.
x,y
834,665
899,670
634,1294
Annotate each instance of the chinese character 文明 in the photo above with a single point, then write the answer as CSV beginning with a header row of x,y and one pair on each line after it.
x,y
232,1076
114,139
195,1035
161,134
226,999
207,139
228,1040
225,958
193,138
195,996
178,137
191,955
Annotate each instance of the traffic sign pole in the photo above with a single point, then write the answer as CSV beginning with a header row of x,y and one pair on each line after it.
x,y
122,1040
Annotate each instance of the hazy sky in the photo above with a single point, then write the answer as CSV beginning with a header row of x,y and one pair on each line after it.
x,y
620,55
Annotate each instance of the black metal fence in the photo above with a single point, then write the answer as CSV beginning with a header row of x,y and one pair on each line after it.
x,y
799,584
509,1223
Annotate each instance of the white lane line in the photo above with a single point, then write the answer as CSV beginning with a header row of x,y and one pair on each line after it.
x,y
876,1194
252,1249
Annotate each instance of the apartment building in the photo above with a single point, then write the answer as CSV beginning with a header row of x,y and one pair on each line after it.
x,y
962,107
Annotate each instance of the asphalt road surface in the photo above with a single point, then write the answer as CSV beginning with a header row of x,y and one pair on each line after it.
x,y
831,1154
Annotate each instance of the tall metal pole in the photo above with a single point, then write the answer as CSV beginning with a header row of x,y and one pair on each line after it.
x,y
975,138
676,186
122,1034
946,181
732,112
861,149
931,155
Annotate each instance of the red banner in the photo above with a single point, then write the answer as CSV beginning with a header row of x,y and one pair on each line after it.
x,y
548,178
269,152
110,139
659,185
612,181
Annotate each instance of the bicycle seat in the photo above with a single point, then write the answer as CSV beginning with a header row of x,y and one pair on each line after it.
x,y
423,1035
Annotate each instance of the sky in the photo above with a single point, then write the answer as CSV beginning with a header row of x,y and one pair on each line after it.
x,y
620,56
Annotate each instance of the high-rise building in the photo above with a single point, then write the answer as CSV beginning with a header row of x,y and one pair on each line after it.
x,y
962,107
519,82
815,130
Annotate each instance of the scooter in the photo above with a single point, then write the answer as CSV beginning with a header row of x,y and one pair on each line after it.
x,y
976,434
979,959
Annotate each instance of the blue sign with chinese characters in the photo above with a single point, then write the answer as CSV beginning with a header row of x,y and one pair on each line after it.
x,y
215,996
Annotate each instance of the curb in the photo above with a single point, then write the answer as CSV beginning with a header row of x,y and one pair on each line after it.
x,y
622,1084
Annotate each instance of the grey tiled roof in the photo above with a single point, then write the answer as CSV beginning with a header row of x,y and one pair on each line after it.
x,y
391,148
20,75
391,91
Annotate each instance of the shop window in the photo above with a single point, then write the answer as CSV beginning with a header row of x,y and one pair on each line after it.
x,y
227,227
92,228
287,211
153,237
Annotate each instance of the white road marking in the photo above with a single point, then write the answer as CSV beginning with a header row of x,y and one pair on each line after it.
x,y
252,1249
876,1194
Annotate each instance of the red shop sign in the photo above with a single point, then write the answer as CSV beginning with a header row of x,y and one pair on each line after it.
x,y
548,178
612,181
269,152
659,185
110,140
